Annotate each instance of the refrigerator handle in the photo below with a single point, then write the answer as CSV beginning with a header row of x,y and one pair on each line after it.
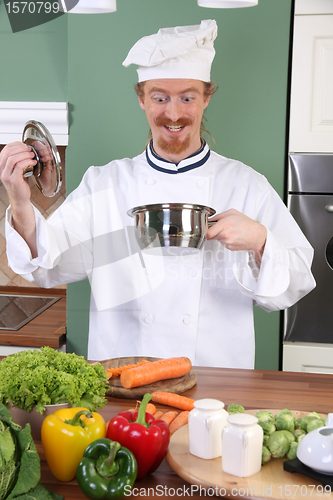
x,y
329,208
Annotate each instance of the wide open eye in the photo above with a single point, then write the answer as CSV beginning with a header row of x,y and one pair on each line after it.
x,y
187,98
159,98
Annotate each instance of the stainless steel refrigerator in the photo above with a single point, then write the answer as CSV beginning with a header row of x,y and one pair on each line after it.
x,y
309,323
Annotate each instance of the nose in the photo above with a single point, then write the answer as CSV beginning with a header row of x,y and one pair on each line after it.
x,y
173,110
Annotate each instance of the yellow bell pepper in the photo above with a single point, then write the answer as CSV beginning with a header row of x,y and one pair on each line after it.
x,y
65,435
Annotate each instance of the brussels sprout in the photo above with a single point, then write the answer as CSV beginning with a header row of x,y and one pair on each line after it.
x,y
278,444
298,423
265,416
266,421
234,408
285,420
314,414
268,427
292,450
305,421
299,438
314,424
289,435
266,455
298,432
264,441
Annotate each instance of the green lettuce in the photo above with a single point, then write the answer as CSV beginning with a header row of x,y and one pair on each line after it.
x,y
38,378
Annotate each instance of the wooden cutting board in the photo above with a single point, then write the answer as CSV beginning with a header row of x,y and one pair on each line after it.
x,y
271,482
175,385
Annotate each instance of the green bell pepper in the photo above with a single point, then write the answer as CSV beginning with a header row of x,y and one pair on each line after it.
x,y
107,470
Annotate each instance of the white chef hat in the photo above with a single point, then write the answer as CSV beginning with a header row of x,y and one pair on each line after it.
x,y
181,52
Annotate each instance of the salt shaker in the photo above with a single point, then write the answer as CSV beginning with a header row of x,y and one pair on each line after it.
x,y
242,439
205,424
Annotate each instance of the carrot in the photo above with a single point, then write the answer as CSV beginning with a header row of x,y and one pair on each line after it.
x,y
117,370
158,414
178,422
169,416
150,408
154,371
170,399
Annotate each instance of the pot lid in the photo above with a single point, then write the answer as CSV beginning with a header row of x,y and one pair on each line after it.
x,y
47,171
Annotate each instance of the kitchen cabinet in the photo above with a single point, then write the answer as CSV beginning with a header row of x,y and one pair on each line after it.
x,y
46,329
311,102
307,357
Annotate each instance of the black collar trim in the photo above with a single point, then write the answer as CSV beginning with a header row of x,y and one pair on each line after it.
x,y
194,161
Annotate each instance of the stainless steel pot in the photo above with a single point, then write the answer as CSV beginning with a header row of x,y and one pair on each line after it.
x,y
181,225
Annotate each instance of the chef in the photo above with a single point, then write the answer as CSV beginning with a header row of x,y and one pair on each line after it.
x,y
198,305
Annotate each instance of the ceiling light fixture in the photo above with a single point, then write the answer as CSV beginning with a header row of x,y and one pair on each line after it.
x,y
226,4
87,6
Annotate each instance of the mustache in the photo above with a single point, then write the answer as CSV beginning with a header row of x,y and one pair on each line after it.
x,y
164,122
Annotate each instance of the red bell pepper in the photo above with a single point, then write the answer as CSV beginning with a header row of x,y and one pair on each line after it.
x,y
146,437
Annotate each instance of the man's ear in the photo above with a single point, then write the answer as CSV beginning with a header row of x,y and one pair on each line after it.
x,y
207,101
141,103
208,95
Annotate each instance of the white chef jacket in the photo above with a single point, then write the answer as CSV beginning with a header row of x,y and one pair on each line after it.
x,y
198,305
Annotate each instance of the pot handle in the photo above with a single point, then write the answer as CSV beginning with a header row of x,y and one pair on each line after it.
x,y
211,222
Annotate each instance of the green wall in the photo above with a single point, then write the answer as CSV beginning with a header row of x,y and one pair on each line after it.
x,y
246,117
33,63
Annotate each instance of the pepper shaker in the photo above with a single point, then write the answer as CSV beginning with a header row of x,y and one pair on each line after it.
x,y
242,439
205,423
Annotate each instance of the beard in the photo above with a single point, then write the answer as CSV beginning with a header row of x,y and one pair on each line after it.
x,y
174,145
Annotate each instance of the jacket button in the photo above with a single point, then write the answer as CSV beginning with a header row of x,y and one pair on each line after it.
x,y
187,320
150,181
150,272
148,319
192,272
201,182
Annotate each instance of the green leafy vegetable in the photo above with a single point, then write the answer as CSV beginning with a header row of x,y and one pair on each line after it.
x,y
282,432
235,408
298,432
278,444
285,440
314,414
19,463
38,378
266,421
292,450
285,420
289,435
266,455
315,424
265,416
303,422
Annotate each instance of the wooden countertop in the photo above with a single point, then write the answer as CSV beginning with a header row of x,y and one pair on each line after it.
x,y
47,329
251,388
